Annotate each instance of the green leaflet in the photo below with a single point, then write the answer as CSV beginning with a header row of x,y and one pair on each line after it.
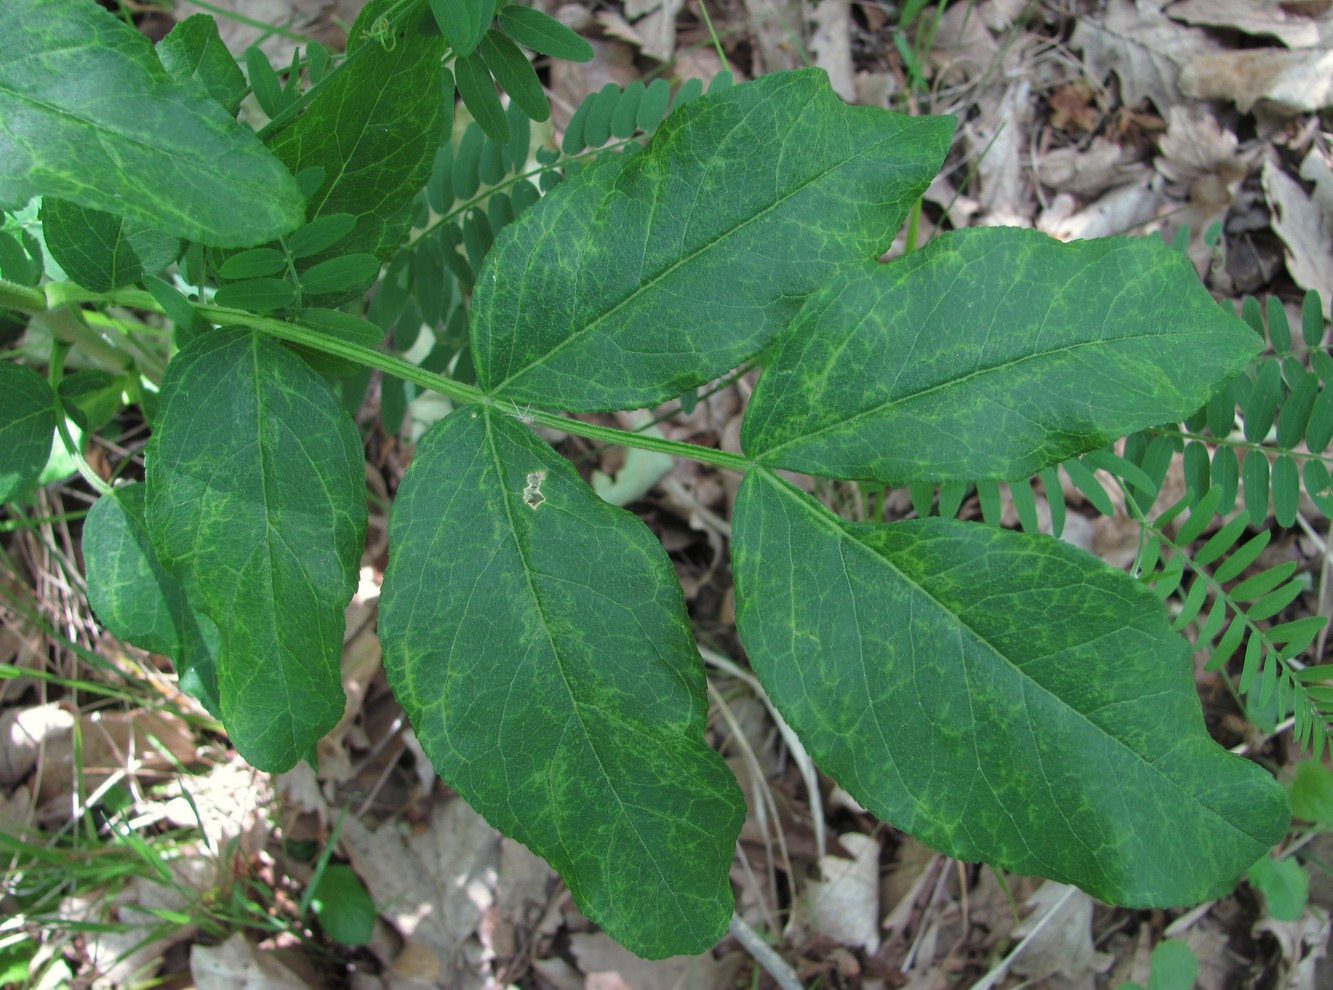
x,y
194,50
1003,696
373,128
27,425
102,251
652,272
537,638
138,600
257,505
127,139
991,353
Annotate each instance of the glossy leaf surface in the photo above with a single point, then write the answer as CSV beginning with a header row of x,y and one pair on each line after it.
x,y
136,598
27,424
537,638
257,505
991,353
87,113
372,127
651,272
1002,696
102,251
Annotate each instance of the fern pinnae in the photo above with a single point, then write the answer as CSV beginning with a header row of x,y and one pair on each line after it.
x,y
1269,666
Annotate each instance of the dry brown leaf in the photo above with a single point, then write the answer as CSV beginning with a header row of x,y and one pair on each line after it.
x,y
844,904
23,734
1288,82
1142,46
963,44
1194,145
612,61
1206,163
1063,945
230,802
998,139
1317,168
654,22
775,26
434,886
1253,17
610,966
237,964
831,45
1304,943
1118,212
1073,109
1303,228
1102,166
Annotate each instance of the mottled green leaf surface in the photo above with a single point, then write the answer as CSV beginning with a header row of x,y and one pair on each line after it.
x,y
138,600
1003,696
257,505
991,353
373,128
87,113
651,272
27,424
101,251
194,50
537,638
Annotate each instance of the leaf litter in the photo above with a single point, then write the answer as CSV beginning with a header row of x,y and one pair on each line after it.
x,y
1143,116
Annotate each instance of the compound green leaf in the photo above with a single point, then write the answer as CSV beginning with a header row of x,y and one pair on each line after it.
x,y
1003,696
194,50
543,33
27,424
990,353
537,638
160,151
257,505
138,600
654,271
373,127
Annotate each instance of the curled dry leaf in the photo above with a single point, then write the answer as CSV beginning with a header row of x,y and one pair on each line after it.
x,y
1303,228
1063,944
1102,166
1288,82
1118,212
1260,19
655,22
844,904
831,45
23,732
997,141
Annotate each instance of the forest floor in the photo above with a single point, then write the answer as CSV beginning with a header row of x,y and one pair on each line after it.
x,y
1201,121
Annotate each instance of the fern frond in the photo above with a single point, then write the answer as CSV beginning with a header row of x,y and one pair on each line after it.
x,y
1270,672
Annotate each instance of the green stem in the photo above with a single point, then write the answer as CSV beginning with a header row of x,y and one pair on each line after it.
x,y
23,298
459,392
396,366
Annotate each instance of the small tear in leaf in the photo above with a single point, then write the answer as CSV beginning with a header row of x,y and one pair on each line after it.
x,y
532,492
